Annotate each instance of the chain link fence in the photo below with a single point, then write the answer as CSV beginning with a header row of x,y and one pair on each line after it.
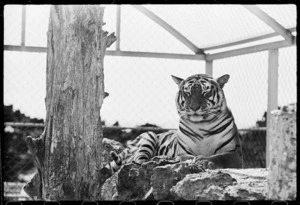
x,y
142,93
17,163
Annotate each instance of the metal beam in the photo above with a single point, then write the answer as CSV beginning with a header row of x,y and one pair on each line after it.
x,y
169,28
209,68
287,35
155,55
208,57
272,95
25,49
22,124
248,40
251,49
23,25
114,53
118,27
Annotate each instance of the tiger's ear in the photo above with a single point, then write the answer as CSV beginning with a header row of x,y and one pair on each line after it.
x,y
177,80
222,80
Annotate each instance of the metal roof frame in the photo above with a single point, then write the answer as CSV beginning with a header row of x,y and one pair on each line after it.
x,y
200,53
286,34
169,28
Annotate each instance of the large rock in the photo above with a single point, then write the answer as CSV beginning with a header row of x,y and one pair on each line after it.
x,y
251,184
282,179
165,177
207,185
223,184
168,179
132,182
109,188
108,146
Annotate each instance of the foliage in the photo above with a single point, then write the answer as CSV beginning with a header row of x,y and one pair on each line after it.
x,y
263,121
254,148
17,160
123,136
16,116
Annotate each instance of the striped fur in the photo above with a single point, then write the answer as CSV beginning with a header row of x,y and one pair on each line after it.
x,y
206,132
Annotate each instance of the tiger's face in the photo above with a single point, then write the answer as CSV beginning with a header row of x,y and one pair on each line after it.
x,y
200,97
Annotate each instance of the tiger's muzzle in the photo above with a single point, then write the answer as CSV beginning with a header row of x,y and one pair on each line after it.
x,y
196,101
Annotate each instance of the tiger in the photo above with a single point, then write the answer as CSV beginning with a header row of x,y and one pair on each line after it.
x,y
207,133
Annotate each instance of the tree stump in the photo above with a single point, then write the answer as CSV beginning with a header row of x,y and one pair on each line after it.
x,y
282,174
69,152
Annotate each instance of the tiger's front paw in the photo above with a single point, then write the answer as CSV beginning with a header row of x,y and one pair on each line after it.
x,y
162,158
204,162
183,158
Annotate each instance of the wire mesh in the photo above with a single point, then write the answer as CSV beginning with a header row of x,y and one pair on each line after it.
x,y
12,24
17,164
142,90
142,93
37,16
246,90
25,82
254,148
287,76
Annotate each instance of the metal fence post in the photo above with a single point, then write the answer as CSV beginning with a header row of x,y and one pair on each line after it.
x,y
23,25
118,27
209,68
272,94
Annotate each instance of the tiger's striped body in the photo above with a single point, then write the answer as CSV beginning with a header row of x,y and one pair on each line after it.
x,y
207,132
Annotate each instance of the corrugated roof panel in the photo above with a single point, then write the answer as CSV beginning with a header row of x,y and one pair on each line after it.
x,y
139,33
285,15
204,25
210,25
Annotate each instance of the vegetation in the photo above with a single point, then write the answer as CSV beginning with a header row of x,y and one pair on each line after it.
x,y
17,160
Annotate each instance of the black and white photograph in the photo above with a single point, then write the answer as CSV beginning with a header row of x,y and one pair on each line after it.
x,y
149,102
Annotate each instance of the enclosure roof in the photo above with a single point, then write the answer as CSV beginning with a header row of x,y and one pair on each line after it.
x,y
202,29
196,32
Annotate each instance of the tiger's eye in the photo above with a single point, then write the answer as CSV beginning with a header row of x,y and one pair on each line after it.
x,y
185,94
209,94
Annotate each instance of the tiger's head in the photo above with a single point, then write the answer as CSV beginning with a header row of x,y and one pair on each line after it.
x,y
200,97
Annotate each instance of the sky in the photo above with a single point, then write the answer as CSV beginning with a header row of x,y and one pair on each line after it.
x,y
141,89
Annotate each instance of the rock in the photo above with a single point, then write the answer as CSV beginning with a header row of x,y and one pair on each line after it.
x,y
109,188
251,184
282,179
132,182
165,177
127,182
203,186
168,179
33,188
223,184
108,146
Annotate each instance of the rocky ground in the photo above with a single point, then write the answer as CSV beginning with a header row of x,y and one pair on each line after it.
x,y
164,179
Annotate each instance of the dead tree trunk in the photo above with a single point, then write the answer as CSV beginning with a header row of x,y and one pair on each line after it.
x,y
68,154
282,178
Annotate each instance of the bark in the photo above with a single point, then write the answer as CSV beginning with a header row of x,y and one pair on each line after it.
x,y
282,178
69,152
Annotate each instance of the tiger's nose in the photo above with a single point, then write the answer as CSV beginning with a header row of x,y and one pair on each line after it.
x,y
195,106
